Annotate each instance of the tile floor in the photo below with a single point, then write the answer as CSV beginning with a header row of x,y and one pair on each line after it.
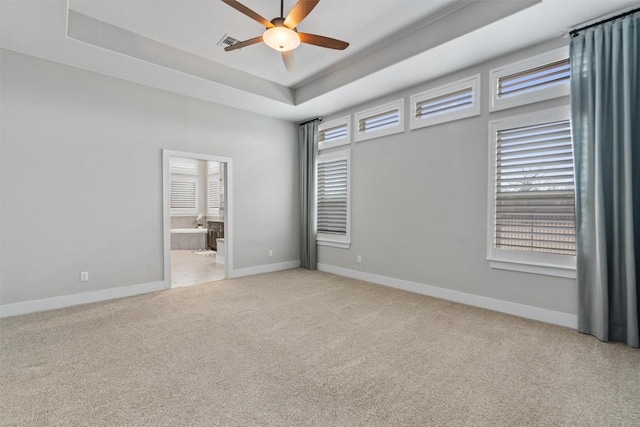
x,y
189,268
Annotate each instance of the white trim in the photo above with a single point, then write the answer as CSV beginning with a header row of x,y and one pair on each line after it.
x,y
472,110
268,268
53,303
346,140
321,242
556,91
381,109
228,204
527,311
524,261
535,268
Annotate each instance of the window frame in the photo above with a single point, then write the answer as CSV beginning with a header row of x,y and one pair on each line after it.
x,y
524,261
333,240
472,110
346,140
212,178
543,94
380,109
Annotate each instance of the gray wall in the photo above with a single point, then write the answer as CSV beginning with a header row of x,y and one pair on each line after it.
x,y
81,178
419,204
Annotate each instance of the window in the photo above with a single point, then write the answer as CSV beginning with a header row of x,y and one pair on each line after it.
x,y
380,121
334,133
333,199
531,205
535,79
184,192
213,184
446,103
183,186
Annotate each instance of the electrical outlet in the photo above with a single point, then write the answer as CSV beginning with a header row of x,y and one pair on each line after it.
x,y
84,276
359,259
270,252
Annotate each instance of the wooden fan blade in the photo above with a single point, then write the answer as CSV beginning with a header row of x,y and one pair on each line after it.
x,y
289,60
250,13
243,44
323,41
299,12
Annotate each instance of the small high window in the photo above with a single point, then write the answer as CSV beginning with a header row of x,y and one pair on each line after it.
x,y
380,121
334,133
446,103
534,79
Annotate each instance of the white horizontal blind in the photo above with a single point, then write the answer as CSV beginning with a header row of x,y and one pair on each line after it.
x,y
213,167
534,206
446,103
332,196
183,166
533,79
379,121
183,194
214,194
333,134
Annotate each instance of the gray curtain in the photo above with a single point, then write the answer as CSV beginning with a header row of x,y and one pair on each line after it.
x,y
308,157
605,104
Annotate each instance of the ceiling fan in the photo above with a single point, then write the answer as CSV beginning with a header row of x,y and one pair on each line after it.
x,y
281,33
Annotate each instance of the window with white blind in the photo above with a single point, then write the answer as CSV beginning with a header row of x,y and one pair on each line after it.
x,y
183,166
213,188
532,202
454,101
534,79
183,195
333,199
334,133
380,121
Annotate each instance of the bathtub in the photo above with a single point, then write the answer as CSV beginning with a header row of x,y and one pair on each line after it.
x,y
188,231
189,238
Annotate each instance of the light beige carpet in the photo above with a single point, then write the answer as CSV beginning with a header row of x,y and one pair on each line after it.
x,y
307,348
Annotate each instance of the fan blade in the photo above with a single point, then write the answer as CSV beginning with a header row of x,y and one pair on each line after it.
x,y
289,60
323,41
243,44
299,12
250,13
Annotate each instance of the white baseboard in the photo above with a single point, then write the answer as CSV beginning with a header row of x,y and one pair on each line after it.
x,y
76,299
268,268
516,309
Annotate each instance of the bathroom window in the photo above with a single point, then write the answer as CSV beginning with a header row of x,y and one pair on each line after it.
x,y
531,194
333,199
184,195
213,190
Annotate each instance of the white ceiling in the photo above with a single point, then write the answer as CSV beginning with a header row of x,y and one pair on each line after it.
x,y
172,44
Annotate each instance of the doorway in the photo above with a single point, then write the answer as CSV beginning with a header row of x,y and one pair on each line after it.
x,y
197,218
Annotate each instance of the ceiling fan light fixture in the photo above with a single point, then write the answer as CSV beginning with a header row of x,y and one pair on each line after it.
x,y
281,39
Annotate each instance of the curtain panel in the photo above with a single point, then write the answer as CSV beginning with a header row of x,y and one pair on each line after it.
x,y
308,222
605,104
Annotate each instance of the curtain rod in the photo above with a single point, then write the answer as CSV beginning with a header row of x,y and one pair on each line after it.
x,y
575,32
311,120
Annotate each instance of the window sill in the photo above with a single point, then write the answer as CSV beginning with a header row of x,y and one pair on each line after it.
x,y
545,269
343,245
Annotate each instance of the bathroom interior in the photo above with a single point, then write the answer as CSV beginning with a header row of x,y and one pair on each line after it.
x,y
198,247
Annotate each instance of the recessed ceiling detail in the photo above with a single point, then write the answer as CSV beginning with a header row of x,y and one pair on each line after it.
x,y
175,45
